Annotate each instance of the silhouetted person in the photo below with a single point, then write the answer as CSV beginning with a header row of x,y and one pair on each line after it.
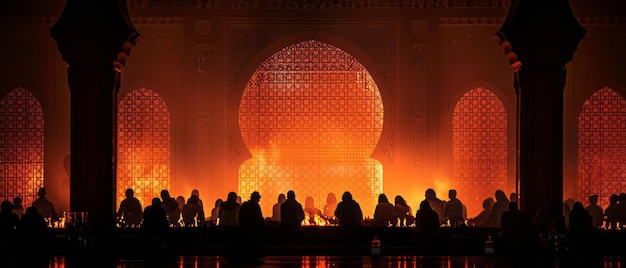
x,y
384,213
348,211
229,211
197,194
215,212
483,216
181,203
252,226
310,210
453,211
250,215
596,212
611,212
516,229
402,212
580,227
9,222
567,208
620,210
32,220
193,216
291,212
513,197
130,210
426,224
18,209
34,230
329,208
44,206
155,218
500,206
276,208
171,208
435,203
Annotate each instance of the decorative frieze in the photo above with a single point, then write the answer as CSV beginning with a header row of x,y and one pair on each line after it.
x,y
376,41
348,4
418,89
321,4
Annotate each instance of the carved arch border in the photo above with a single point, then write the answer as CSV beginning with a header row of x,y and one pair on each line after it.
x,y
239,152
510,107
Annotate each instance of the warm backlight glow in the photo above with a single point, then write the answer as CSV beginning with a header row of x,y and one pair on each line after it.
x,y
143,148
602,146
479,142
311,116
21,143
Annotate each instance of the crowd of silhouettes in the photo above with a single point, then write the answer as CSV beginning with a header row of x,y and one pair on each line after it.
x,y
27,229
433,213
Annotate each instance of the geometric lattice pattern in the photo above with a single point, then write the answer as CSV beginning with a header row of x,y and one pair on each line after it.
x,y
21,146
311,116
143,149
602,146
479,142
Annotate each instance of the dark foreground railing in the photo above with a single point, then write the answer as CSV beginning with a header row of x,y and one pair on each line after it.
x,y
309,240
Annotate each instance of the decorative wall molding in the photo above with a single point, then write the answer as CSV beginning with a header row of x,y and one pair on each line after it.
x,y
28,20
204,27
204,114
418,121
233,148
158,20
471,20
388,150
322,4
419,27
602,20
345,4
50,20
203,58
376,41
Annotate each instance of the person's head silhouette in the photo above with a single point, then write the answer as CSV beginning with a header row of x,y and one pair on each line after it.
x,y
41,193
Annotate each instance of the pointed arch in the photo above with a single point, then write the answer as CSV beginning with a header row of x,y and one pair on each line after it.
x,y
144,145
601,146
311,115
480,147
22,143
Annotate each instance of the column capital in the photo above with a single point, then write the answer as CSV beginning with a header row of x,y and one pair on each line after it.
x,y
95,32
540,35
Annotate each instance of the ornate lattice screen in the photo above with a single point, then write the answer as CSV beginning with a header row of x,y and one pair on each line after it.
x,y
143,149
21,146
479,142
311,116
602,146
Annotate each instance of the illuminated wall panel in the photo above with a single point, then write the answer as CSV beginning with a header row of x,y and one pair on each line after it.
x,y
479,142
602,146
21,140
311,116
143,149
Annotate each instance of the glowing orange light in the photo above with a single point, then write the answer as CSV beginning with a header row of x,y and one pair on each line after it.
x,y
143,145
479,142
22,143
601,143
311,116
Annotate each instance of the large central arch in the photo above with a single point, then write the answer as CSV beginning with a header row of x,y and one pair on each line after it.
x,y
311,116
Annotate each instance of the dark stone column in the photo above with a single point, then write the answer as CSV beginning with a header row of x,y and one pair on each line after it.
x,y
539,37
94,38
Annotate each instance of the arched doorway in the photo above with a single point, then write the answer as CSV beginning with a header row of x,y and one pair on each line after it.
x,y
22,143
479,142
144,146
602,146
311,116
